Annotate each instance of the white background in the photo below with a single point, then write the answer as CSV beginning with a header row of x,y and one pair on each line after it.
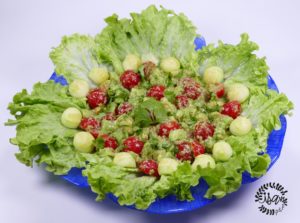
x,y
28,30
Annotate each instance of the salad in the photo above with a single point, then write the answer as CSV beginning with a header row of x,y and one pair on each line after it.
x,y
146,116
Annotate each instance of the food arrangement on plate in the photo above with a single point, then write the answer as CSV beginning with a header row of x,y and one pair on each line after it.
x,y
146,116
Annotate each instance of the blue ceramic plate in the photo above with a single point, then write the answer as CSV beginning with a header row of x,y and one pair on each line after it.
x,y
169,204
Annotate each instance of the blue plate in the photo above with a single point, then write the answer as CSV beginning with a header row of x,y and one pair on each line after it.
x,y
170,204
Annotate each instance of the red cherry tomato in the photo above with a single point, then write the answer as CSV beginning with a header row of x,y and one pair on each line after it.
x,y
124,108
90,125
166,128
156,91
133,144
203,130
197,148
149,167
130,79
219,90
182,101
232,109
192,92
96,97
109,141
184,151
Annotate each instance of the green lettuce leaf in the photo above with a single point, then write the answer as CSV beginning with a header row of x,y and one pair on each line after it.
x,y
225,178
75,57
132,189
264,109
178,183
239,63
40,134
248,150
105,177
151,34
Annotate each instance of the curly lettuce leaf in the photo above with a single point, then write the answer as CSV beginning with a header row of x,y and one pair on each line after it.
x,y
179,183
75,57
46,93
264,109
132,189
225,178
247,148
151,34
239,63
105,177
40,134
